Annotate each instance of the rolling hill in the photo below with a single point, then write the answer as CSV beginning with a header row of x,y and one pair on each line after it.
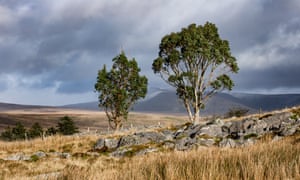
x,y
167,102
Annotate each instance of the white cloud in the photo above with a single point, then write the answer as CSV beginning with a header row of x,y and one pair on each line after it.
x,y
274,52
6,17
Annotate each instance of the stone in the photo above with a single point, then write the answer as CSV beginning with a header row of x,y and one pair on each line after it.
x,y
248,124
234,129
168,145
276,138
261,127
152,136
217,121
40,154
131,140
194,131
205,142
18,157
65,155
185,143
247,142
228,143
287,131
168,134
142,138
146,151
184,131
212,131
111,143
100,145
122,152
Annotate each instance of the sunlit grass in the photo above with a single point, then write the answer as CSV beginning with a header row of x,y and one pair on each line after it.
x,y
265,160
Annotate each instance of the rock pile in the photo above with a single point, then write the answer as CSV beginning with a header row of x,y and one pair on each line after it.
x,y
215,133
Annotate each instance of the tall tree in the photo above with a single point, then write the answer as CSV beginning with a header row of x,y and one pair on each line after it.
x,y
120,88
196,61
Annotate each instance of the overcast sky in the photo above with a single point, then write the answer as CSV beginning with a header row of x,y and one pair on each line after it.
x,y
51,50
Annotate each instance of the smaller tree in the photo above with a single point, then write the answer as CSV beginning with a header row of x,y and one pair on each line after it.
x,y
120,88
66,126
35,131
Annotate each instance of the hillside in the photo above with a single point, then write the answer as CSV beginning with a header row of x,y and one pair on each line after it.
x,y
268,102
167,102
10,106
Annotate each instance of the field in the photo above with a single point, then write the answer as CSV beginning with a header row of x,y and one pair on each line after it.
x,y
266,159
92,120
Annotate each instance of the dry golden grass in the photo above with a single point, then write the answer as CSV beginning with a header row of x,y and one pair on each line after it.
x,y
269,160
265,160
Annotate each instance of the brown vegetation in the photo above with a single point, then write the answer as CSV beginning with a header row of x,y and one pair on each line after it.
x,y
93,120
265,160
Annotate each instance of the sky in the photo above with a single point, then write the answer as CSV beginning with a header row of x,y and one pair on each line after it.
x,y
51,50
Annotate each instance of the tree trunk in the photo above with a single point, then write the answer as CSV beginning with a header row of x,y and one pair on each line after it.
x,y
118,123
197,116
188,109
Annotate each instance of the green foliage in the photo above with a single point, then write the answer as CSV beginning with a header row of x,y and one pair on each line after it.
x,y
34,158
67,147
19,131
66,126
196,61
296,113
35,131
237,112
51,131
7,135
120,88
16,133
248,136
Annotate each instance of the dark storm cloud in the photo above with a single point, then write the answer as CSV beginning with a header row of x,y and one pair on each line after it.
x,y
253,24
274,63
70,87
62,44
3,86
49,42
269,78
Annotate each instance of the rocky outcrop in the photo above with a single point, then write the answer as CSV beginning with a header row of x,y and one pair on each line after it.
x,y
215,133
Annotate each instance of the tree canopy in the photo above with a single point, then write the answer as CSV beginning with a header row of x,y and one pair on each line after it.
x,y
197,62
119,88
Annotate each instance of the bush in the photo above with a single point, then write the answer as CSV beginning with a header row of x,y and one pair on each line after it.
x,y
66,126
35,131
16,133
19,131
237,112
51,131
7,135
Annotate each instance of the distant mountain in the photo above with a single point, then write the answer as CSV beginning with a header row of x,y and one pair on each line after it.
x,y
268,102
9,106
93,106
166,101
